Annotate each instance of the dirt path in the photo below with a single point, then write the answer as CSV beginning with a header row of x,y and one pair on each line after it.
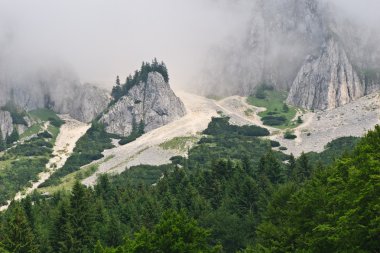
x,y
69,134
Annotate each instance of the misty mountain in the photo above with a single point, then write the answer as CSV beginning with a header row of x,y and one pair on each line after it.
x,y
58,89
284,47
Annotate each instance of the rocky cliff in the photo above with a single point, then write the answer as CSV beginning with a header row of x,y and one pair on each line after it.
x,y
82,102
56,89
322,55
151,102
327,80
6,124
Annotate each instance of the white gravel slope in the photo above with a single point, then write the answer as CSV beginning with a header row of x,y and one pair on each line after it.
x,y
69,134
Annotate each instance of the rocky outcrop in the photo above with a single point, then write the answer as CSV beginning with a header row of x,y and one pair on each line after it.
x,y
151,102
6,124
281,35
56,89
83,102
326,81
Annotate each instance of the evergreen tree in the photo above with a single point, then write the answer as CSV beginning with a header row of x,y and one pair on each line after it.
x,y
19,237
303,168
141,128
270,167
13,137
62,235
117,81
117,92
285,108
82,218
291,168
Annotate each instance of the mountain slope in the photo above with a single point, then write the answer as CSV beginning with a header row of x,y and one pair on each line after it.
x,y
310,47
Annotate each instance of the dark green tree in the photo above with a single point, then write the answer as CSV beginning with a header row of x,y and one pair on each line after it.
x,y
82,218
13,137
303,168
285,108
19,237
175,233
62,235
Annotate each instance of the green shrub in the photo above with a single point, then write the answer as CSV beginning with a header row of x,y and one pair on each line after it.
x,y
290,135
57,122
45,134
222,126
271,120
274,144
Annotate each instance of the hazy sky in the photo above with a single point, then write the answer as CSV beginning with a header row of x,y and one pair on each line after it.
x,y
103,38
100,39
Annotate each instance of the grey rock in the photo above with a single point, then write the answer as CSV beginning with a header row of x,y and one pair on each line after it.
x,y
6,124
281,35
326,81
152,102
83,102
59,90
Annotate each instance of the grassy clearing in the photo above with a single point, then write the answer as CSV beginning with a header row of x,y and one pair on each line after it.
x,y
274,102
43,114
145,174
68,181
34,129
180,143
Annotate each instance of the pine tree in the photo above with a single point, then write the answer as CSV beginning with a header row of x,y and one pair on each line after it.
x,y
19,237
62,235
291,167
13,137
117,92
141,128
304,169
82,218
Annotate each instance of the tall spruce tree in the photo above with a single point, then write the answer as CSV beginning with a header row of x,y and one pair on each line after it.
x,y
82,218
19,237
62,233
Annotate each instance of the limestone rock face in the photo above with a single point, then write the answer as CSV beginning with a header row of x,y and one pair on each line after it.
x,y
152,102
83,103
59,90
6,124
327,80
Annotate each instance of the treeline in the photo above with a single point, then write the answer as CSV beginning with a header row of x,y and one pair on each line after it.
x,y
141,75
216,200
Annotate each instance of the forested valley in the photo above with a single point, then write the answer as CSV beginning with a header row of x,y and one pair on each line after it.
x,y
233,193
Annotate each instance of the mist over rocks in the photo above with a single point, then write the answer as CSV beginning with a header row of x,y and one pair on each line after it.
x,y
326,81
152,102
58,89
325,57
6,124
